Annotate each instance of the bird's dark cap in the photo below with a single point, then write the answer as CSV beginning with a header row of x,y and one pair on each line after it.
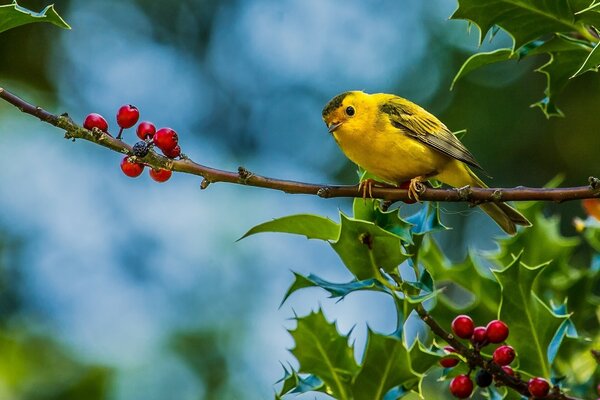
x,y
334,104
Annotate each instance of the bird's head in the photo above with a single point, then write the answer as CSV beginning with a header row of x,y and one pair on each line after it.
x,y
343,109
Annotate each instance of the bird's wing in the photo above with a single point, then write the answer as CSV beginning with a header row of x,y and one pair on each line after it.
x,y
419,124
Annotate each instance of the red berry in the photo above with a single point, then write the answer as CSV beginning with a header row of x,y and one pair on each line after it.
x,y
504,355
449,361
508,370
173,153
127,116
131,169
145,130
405,185
94,120
160,175
497,331
538,387
598,388
463,327
461,386
479,336
165,139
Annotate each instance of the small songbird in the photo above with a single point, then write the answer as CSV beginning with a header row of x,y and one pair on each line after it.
x,y
399,141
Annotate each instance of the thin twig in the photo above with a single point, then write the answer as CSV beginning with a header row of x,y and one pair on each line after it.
x,y
248,178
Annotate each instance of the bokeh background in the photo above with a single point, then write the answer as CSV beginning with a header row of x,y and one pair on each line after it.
x,y
113,288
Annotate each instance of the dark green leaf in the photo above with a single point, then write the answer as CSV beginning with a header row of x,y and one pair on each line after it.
x,y
323,352
524,20
479,60
532,323
389,364
311,226
368,210
591,63
13,15
336,290
295,383
566,58
364,248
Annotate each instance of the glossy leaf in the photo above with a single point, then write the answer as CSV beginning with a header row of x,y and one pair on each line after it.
x,y
311,226
388,364
323,352
524,20
293,383
532,323
336,290
368,210
365,247
13,15
591,63
479,60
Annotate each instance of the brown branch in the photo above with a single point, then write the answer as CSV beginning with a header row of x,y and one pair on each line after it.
x,y
474,359
245,177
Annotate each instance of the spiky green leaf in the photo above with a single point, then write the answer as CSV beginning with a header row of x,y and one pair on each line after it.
x,y
13,15
311,226
388,364
322,351
533,325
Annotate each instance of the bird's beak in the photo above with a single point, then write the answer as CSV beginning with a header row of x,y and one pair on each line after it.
x,y
333,126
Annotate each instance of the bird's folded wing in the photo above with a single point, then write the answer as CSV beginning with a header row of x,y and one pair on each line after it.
x,y
419,124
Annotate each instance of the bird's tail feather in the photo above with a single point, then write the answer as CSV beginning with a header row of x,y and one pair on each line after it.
x,y
505,216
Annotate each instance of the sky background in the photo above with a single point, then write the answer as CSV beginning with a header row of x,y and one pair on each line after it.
x,y
146,279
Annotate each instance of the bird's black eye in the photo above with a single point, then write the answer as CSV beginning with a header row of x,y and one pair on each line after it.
x,y
350,111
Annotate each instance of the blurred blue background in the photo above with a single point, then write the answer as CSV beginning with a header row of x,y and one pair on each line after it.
x,y
114,288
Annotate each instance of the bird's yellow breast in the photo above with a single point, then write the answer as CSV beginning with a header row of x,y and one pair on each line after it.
x,y
388,153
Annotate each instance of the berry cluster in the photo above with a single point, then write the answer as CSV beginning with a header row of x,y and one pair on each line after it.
x,y
165,139
496,332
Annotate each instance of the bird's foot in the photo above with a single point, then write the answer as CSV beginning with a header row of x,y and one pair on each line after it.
x,y
416,188
366,186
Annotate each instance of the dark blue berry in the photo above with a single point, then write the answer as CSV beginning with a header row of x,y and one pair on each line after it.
x,y
140,149
483,378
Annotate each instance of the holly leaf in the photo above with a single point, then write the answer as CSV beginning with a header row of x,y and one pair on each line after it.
x,y
523,20
591,63
336,290
311,226
325,353
479,60
533,325
389,364
368,210
542,242
293,383
469,288
566,59
13,15
365,247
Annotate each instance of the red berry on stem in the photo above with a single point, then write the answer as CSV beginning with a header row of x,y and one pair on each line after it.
x,y
160,175
131,169
504,355
461,386
94,120
479,336
508,370
496,331
538,387
463,326
173,153
449,361
127,116
165,139
145,130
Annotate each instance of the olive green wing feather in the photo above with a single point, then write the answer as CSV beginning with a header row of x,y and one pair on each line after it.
x,y
419,124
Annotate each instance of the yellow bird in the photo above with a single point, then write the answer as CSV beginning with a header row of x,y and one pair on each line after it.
x,y
399,141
